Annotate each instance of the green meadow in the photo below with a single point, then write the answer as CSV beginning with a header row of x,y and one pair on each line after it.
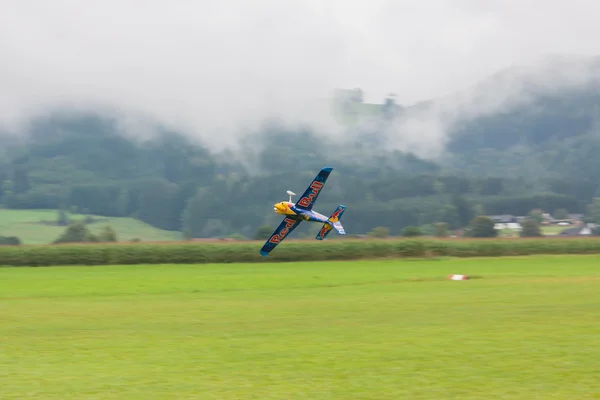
x,y
29,226
521,328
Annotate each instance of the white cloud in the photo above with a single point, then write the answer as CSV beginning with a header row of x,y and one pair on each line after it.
x,y
209,66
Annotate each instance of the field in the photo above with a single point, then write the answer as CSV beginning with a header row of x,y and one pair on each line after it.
x,y
554,229
25,224
547,230
523,328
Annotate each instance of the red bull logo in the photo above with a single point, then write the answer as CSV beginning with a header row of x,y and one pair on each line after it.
x,y
324,230
316,188
335,216
276,238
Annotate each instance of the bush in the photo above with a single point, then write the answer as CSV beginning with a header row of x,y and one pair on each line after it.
x,y
441,229
107,235
76,232
482,227
9,241
245,252
380,232
411,231
530,228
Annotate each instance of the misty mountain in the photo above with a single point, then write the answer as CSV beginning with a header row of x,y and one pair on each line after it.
x,y
522,139
541,118
85,163
534,121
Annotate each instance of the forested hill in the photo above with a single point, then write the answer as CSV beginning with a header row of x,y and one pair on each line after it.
x,y
551,126
541,154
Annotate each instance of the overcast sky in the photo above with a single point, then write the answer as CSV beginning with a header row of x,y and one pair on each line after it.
x,y
218,62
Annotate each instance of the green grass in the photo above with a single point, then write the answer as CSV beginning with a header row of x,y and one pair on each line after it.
x,y
546,230
528,328
554,229
25,224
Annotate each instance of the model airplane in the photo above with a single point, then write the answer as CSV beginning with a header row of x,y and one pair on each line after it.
x,y
302,211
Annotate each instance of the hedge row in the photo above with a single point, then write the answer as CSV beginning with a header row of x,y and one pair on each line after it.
x,y
199,253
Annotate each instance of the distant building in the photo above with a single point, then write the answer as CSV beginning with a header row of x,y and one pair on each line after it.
x,y
503,219
577,231
576,217
515,226
548,219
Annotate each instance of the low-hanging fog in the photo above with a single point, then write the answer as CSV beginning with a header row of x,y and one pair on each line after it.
x,y
216,69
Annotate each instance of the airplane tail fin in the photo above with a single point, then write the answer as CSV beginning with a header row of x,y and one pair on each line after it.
x,y
332,223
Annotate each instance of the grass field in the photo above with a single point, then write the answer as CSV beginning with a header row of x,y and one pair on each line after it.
x,y
25,224
526,328
554,229
545,230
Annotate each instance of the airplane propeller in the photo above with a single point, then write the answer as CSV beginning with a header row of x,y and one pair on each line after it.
x,y
290,193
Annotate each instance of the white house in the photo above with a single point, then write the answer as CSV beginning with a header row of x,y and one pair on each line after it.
x,y
515,226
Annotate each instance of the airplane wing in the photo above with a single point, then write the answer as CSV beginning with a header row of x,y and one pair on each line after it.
x,y
308,198
285,227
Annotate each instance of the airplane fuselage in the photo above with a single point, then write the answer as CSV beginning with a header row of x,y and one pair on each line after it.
x,y
295,213
290,210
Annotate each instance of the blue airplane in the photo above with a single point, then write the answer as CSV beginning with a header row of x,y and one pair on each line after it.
x,y
302,211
